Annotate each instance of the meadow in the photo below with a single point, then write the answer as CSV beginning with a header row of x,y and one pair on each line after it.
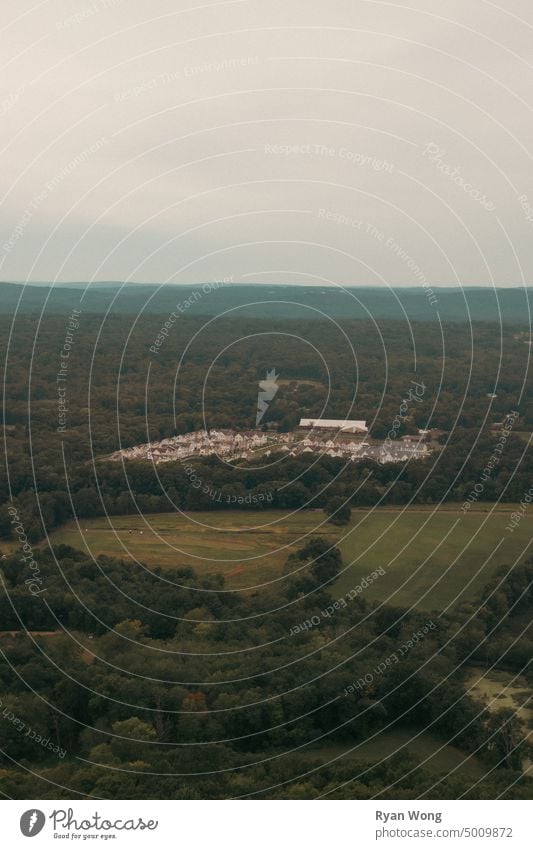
x,y
434,755
247,547
432,559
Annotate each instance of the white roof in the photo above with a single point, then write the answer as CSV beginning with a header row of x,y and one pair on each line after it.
x,y
334,424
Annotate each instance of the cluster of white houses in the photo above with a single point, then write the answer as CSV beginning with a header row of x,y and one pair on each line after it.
x,y
202,443
330,437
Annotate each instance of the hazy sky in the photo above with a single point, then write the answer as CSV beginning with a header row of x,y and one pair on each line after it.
x,y
353,141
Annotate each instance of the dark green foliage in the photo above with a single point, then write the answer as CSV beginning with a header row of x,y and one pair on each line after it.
x,y
338,511
168,685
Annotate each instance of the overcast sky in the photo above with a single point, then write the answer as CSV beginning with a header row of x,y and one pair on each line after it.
x,y
357,142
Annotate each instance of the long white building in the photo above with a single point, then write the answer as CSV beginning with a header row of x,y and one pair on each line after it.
x,y
341,425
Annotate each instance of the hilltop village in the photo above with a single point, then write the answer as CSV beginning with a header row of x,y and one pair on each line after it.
x,y
347,440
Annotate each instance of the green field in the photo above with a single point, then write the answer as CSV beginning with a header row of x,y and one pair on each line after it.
x,y
430,561
433,754
248,548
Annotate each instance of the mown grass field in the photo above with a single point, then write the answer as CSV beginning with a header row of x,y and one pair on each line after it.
x,y
431,561
248,548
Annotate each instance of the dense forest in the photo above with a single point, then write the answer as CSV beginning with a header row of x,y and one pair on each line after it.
x,y
117,393
142,692
123,681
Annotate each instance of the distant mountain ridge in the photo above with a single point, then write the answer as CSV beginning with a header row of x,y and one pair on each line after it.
x,y
509,305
